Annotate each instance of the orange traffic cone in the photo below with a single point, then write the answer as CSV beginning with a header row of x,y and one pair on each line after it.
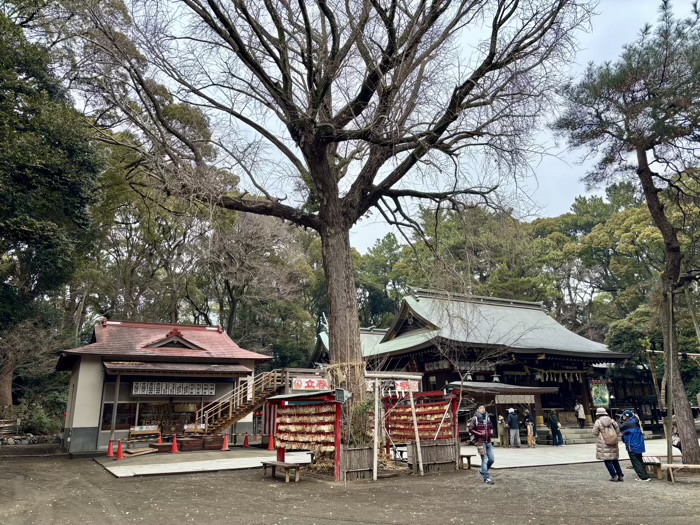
x,y
271,445
160,439
225,448
245,441
120,452
173,449
110,449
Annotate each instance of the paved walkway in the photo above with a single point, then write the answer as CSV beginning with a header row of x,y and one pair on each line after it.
x,y
543,455
247,458
189,462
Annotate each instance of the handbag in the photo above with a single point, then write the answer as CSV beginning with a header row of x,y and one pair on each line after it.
x,y
558,425
481,449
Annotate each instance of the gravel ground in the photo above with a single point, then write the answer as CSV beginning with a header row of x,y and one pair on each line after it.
x,y
53,491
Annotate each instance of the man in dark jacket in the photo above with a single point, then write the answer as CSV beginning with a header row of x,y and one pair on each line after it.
x,y
633,438
514,425
481,429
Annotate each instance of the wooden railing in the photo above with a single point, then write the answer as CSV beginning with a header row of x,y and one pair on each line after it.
x,y
246,394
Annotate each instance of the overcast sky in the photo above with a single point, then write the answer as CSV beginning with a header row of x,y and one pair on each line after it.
x,y
557,180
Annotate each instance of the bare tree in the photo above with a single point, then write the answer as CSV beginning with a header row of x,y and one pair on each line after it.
x,y
329,109
252,260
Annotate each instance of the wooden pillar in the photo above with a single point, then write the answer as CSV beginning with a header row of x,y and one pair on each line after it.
x,y
539,413
338,428
587,402
455,425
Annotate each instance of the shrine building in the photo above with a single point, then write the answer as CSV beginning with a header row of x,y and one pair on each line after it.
x,y
159,376
513,346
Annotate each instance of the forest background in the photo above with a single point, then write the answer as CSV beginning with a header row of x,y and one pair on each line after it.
x,y
88,236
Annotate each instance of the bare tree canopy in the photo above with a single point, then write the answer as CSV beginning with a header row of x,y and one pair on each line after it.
x,y
328,109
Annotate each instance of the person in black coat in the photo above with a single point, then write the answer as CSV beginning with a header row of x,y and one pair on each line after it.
x,y
514,425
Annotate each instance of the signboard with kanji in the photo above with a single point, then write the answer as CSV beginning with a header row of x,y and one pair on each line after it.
x,y
406,385
310,383
167,388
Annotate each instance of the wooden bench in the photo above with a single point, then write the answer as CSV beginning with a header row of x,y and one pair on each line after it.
x,y
677,467
653,465
143,434
273,465
468,457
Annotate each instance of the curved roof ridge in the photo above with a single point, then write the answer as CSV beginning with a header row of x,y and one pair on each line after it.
x,y
417,293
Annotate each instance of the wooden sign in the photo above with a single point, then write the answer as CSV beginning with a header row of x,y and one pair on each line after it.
x,y
310,383
167,388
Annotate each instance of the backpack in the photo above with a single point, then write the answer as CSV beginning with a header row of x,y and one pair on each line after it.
x,y
609,435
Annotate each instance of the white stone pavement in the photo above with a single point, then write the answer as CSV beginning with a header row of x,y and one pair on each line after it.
x,y
543,455
188,464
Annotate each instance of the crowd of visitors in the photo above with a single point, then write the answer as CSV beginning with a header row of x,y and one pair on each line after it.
x,y
607,431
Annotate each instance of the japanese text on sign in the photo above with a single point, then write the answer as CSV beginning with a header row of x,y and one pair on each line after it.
x,y
310,383
166,388
406,386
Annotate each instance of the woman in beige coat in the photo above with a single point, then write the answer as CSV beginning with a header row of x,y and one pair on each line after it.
x,y
604,451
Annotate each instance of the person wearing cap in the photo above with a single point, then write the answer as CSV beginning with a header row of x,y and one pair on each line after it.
x,y
633,437
514,426
606,448
481,429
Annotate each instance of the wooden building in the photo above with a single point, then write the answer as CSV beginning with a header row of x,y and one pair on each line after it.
x,y
455,337
155,374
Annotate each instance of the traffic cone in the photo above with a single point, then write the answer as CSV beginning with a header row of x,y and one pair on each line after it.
x,y
160,439
173,449
110,449
245,441
120,452
225,448
271,445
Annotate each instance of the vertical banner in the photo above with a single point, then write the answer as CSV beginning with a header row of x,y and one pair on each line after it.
x,y
599,393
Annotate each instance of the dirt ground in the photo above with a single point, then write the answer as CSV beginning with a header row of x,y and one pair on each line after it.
x,y
53,491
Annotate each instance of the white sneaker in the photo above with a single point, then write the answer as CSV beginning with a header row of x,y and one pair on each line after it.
x,y
639,479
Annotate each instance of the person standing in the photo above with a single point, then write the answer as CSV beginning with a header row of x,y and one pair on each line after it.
x,y
481,429
633,438
502,434
514,426
529,423
553,422
607,432
580,414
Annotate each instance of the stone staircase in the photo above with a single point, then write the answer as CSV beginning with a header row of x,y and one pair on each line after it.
x,y
572,435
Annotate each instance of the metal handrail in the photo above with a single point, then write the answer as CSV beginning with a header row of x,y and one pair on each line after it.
x,y
233,400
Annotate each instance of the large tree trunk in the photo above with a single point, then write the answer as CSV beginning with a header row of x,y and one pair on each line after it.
x,y
669,280
7,373
343,320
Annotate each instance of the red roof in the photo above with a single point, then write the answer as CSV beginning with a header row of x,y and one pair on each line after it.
x,y
162,342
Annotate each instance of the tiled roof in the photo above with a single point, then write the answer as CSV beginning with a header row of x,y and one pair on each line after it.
x,y
483,322
128,340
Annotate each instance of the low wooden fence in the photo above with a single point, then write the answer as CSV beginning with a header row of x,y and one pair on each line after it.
x,y
438,455
9,427
355,463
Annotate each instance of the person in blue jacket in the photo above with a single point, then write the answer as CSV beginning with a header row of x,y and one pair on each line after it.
x,y
633,438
